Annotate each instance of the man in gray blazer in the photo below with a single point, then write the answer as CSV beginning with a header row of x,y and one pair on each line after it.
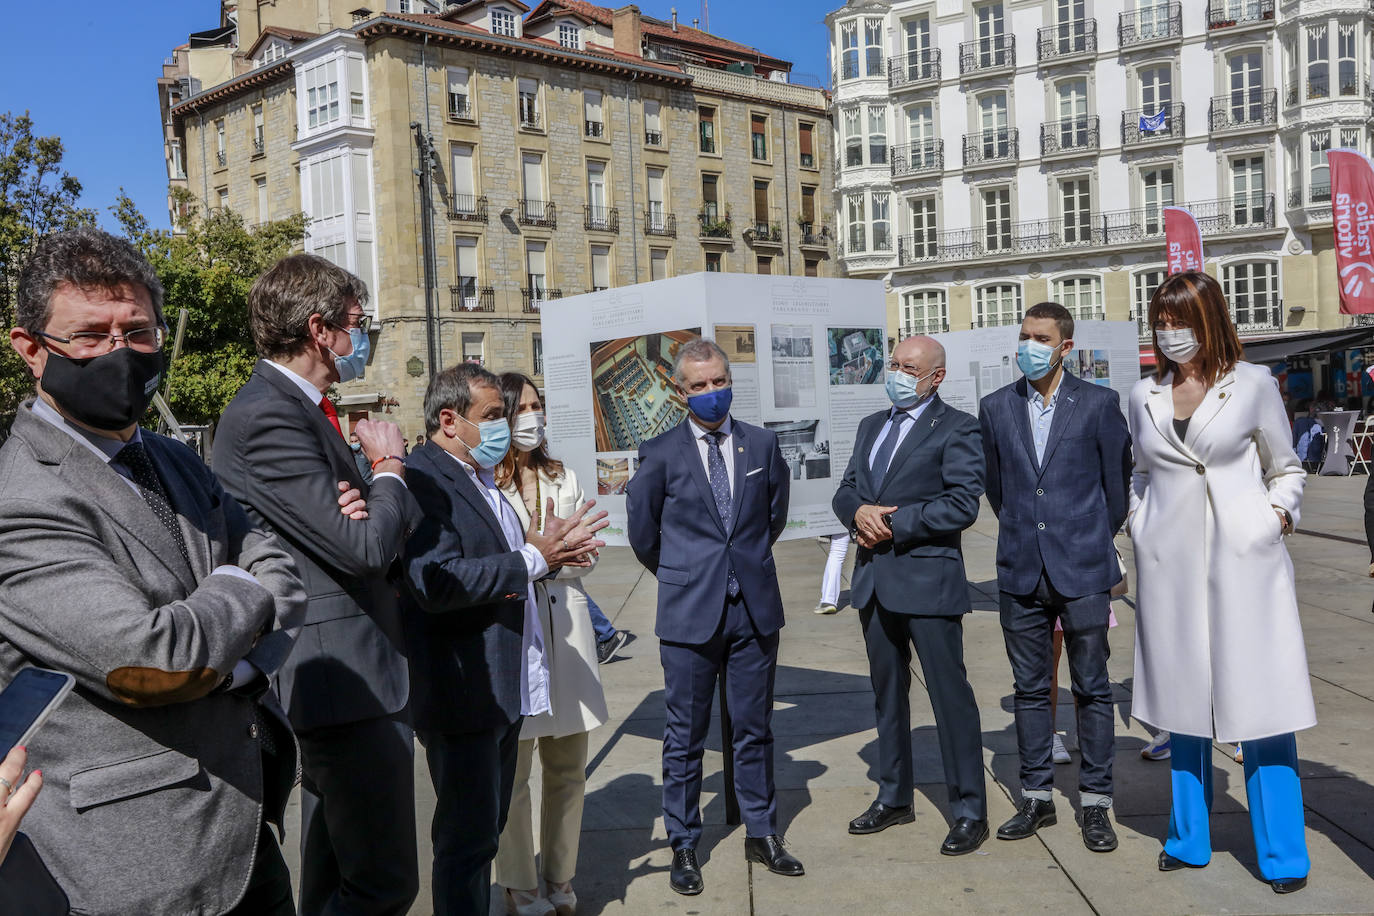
x,y
123,563
280,451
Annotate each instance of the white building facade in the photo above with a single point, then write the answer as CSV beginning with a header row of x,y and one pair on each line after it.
x,y
994,154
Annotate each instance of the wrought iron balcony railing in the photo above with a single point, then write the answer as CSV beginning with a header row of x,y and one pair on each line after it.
x,y
467,207
921,157
983,55
918,68
1000,144
259,146
929,326
532,298
1222,14
656,222
596,128
815,235
529,118
1244,109
1256,314
221,158
653,138
715,226
1069,136
765,228
1141,126
921,246
1161,22
467,296
1076,36
1316,194
536,213
459,108
600,219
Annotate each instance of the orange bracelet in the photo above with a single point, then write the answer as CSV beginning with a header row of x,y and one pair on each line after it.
x,y
386,458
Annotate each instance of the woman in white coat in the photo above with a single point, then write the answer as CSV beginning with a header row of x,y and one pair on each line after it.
x,y
532,482
1219,649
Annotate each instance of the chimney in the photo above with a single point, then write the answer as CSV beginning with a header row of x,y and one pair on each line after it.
x,y
696,23
627,31
674,19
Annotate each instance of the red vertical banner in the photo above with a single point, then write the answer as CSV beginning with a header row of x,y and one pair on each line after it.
x,y
1352,223
1182,240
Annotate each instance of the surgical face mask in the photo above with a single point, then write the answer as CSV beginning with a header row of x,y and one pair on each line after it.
x,y
904,391
1035,358
528,433
711,406
110,392
1179,344
495,442
353,365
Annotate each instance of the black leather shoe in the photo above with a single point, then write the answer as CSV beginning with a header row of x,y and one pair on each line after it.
x,y
964,837
1033,815
1288,885
1169,863
880,817
768,852
685,878
1098,834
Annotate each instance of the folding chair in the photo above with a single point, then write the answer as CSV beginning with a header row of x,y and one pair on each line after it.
x,y
1362,440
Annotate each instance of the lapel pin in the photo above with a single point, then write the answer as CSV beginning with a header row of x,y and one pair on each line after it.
x,y
1221,394
741,448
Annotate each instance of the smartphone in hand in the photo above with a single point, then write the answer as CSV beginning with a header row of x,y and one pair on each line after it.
x,y
27,701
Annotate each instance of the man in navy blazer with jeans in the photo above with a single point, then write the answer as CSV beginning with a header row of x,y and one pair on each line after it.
x,y
1059,471
911,488
707,503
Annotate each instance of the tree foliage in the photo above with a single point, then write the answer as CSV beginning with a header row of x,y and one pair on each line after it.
x,y
207,270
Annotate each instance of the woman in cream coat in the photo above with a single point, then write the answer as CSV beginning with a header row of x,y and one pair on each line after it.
x,y
1219,649
531,481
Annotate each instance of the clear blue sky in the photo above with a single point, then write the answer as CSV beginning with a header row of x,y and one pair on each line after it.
x,y
86,72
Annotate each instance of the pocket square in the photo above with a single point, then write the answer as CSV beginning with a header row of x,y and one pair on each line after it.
x,y
754,471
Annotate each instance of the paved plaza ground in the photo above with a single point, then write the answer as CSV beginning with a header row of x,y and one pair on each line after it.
x,y
826,751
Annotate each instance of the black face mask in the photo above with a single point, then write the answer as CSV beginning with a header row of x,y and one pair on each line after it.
x,y
109,392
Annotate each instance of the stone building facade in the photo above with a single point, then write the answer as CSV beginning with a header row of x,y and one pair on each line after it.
x,y
569,148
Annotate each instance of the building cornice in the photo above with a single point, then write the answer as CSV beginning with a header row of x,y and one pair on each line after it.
x,y
263,76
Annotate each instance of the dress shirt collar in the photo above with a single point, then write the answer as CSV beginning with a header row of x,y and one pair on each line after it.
x,y
307,387
104,447
699,431
1038,401
914,411
483,477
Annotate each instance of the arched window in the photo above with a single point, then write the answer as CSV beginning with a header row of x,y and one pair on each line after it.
x,y
996,305
924,311
1252,289
1082,296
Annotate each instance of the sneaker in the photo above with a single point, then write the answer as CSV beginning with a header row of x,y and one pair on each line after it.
x,y
1237,755
826,608
1158,748
607,648
1061,753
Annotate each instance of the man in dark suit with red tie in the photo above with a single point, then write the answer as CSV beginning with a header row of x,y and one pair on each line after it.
x,y
280,451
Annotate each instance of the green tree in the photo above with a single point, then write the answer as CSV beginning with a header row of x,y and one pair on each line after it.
x,y
36,197
208,269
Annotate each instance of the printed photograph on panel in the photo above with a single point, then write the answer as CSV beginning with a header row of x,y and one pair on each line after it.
x,y
794,376
633,398
805,446
737,340
856,355
612,474
1090,365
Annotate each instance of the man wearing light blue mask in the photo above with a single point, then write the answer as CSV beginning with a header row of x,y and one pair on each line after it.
x,y
705,507
1058,471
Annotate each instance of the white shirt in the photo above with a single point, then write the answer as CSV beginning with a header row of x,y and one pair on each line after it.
x,y
914,412
106,448
534,674
314,395
1041,417
699,433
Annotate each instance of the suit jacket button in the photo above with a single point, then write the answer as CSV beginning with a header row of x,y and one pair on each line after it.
x,y
1039,492
1200,469
1041,526
553,599
253,730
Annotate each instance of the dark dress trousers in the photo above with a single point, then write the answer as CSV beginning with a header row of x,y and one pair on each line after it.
x,y
463,609
1055,560
677,532
911,591
345,684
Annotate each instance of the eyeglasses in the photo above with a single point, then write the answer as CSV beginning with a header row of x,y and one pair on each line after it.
x,y
894,366
364,323
145,340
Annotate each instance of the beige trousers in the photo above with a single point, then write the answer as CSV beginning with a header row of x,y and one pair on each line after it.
x,y
564,766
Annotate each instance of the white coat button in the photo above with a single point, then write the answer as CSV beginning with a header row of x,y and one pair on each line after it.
x,y
1041,526
253,730
1039,492
1200,469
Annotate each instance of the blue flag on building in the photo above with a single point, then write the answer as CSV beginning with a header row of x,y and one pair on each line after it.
x,y
1155,122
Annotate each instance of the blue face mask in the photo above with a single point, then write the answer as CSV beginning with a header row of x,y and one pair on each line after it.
x,y
354,364
1034,358
902,389
711,406
494,445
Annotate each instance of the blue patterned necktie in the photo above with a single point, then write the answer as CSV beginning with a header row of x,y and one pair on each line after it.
x,y
144,474
720,489
887,447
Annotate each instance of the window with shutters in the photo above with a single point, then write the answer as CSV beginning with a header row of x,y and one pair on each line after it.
x,y
653,122
713,264
459,102
765,264
710,200
706,129
658,263
591,101
532,169
758,136
221,154
259,132
806,144
761,209
260,187
601,267
472,347
658,196
529,104
466,294
461,178
536,273
537,350
808,205
811,267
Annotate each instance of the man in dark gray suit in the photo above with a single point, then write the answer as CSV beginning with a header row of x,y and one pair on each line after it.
x,y
1059,473
471,625
911,488
280,451
123,563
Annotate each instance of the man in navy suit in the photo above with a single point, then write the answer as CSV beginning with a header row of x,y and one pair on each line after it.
x,y
707,503
911,488
476,651
1059,470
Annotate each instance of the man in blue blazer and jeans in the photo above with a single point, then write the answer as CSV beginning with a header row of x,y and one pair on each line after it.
x,y
1058,469
707,503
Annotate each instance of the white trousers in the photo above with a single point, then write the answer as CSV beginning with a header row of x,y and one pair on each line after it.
x,y
563,765
834,568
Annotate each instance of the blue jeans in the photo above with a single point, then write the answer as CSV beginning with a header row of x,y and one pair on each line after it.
x,y
1272,791
604,628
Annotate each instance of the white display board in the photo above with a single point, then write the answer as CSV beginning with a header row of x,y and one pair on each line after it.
x,y
807,356
980,361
